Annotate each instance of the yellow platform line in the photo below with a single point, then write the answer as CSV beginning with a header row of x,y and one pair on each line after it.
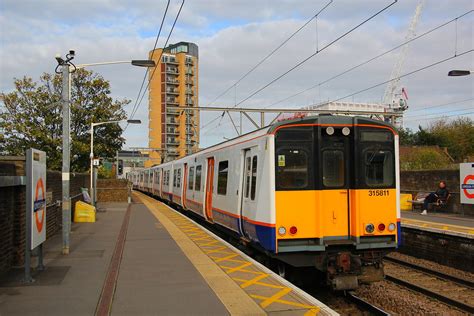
x,y
442,226
434,223
215,246
236,301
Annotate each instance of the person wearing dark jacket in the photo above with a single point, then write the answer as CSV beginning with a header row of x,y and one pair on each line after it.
x,y
440,194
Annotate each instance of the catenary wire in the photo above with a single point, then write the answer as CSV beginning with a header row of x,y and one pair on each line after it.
x,y
153,51
270,54
159,59
371,59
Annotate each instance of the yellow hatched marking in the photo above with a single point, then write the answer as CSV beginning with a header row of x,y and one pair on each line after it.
x,y
238,268
275,297
209,245
281,301
274,286
253,281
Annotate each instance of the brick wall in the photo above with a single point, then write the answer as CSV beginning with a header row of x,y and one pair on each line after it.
x,y
112,190
427,181
13,210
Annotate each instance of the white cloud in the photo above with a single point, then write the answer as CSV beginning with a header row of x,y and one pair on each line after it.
x,y
234,35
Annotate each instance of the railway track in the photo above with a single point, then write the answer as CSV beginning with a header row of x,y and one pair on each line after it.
x,y
365,305
446,288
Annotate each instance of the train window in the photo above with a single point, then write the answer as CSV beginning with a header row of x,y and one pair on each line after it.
x,y
254,177
292,169
247,177
333,168
376,136
222,177
197,183
178,179
191,178
379,167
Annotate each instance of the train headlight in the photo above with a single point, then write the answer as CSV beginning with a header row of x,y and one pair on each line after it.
x,y
391,227
282,230
330,130
346,131
369,228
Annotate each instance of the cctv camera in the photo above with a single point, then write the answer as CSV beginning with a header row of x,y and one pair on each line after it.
x,y
72,52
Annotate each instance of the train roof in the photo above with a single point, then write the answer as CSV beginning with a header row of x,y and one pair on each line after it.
x,y
316,119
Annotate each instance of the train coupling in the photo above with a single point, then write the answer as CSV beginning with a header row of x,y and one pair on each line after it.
x,y
342,271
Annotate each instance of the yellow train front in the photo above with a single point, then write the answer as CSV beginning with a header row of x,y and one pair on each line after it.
x,y
336,196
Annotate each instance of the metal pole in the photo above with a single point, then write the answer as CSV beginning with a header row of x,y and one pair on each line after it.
x,y
29,177
66,203
94,200
262,119
92,165
117,166
241,123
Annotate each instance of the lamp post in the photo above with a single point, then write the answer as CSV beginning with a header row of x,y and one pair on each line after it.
x,y
93,197
458,73
65,68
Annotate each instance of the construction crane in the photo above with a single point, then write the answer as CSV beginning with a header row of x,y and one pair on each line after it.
x,y
395,97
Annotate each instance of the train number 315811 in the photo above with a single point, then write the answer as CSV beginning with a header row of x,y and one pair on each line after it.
x,y
379,192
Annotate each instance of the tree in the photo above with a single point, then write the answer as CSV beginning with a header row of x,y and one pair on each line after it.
x,y
33,118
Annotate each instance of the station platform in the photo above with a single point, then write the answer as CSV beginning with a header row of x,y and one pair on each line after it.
x,y
144,258
450,224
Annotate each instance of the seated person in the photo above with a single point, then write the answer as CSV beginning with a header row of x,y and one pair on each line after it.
x,y
440,195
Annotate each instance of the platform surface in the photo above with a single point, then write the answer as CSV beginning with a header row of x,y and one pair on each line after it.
x,y
453,224
166,265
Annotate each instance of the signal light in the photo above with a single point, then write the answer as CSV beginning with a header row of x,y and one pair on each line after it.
x,y
369,228
293,230
381,227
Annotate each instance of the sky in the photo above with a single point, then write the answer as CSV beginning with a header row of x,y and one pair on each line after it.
x,y
234,35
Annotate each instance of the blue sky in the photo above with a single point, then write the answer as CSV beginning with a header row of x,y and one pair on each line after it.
x,y
233,36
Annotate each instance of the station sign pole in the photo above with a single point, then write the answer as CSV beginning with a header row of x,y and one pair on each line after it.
x,y
35,228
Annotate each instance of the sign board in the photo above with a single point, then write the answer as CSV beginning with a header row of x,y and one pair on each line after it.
x,y
36,196
96,162
466,180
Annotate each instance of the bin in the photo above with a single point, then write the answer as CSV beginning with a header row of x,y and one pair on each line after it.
x,y
84,213
404,204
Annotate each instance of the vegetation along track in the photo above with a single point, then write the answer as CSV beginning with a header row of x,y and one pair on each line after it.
x,y
432,283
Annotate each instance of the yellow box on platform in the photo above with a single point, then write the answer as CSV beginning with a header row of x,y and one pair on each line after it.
x,y
404,204
84,213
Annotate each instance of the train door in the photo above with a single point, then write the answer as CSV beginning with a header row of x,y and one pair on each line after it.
x,y
335,175
185,185
209,187
249,183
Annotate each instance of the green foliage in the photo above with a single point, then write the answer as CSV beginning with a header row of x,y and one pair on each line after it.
x,y
456,135
424,159
33,118
105,172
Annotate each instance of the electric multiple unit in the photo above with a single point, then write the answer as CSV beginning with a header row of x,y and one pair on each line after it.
x,y
321,191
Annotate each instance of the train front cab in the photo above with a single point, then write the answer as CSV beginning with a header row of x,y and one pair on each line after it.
x,y
336,196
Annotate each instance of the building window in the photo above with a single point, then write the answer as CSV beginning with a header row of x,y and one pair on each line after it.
x,y
222,177
197,183
191,178
254,177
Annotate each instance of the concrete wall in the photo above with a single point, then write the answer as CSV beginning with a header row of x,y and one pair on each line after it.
x,y
13,210
427,181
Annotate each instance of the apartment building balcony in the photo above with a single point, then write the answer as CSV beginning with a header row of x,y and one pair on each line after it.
x,y
172,81
172,122
189,61
172,91
171,70
171,101
173,111
189,102
172,131
189,81
189,71
189,91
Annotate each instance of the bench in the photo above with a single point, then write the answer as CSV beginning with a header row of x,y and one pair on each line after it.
x,y
419,199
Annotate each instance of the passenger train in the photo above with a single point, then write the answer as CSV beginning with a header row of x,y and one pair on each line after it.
x,y
320,191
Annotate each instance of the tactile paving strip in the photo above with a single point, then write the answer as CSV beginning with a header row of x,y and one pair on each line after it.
x,y
272,296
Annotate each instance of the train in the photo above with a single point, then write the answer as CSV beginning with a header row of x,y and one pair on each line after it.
x,y
314,192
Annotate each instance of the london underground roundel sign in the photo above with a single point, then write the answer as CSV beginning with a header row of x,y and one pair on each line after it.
x,y
36,196
466,177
